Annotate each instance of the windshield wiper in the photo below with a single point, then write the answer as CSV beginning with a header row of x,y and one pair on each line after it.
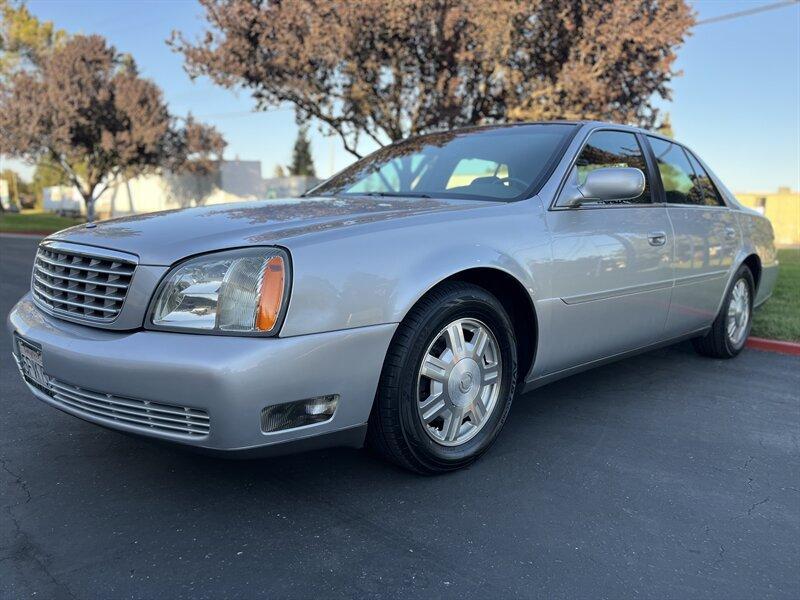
x,y
396,194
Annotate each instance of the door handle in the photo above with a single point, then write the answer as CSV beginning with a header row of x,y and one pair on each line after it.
x,y
657,238
730,233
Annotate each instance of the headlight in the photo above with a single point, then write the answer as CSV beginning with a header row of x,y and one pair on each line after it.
x,y
237,291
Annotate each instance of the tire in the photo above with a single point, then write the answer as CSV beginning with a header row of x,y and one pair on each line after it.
x,y
397,429
718,342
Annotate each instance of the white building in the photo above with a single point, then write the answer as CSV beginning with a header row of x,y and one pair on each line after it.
x,y
235,181
241,177
288,187
5,198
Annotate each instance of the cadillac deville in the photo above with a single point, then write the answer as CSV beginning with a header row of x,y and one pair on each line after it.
x,y
402,302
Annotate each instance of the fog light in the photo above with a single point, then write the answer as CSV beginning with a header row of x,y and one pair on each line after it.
x,y
299,413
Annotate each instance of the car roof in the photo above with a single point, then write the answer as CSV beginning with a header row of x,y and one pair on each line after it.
x,y
590,123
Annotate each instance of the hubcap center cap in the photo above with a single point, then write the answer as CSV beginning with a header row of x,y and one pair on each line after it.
x,y
463,385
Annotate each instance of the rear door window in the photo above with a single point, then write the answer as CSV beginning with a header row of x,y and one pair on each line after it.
x,y
711,196
677,175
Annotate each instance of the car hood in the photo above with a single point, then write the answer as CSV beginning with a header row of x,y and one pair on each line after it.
x,y
163,238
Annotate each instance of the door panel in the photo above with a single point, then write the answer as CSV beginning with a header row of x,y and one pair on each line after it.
x,y
706,240
706,237
611,282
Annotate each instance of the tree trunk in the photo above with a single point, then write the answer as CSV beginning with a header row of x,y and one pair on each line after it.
x,y
88,199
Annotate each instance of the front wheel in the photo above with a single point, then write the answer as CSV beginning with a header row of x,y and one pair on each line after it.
x,y
732,326
448,381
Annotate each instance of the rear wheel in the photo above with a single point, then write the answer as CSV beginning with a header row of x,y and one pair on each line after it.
x,y
732,326
448,381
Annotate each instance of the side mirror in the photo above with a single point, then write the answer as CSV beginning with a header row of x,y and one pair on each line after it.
x,y
603,185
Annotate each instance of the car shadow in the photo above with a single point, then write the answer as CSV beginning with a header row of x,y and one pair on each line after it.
x,y
534,419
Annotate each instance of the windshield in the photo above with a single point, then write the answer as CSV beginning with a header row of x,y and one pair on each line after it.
x,y
492,163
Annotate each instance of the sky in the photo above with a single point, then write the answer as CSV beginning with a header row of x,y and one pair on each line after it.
x,y
736,103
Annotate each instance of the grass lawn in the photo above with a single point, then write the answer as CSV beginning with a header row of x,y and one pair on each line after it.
x,y
779,318
32,221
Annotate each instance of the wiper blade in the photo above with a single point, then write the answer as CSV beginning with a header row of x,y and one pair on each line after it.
x,y
396,195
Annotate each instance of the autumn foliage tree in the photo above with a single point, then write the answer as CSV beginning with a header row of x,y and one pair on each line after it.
x,y
85,109
387,69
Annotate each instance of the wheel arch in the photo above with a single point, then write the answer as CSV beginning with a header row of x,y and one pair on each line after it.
x,y
517,302
753,262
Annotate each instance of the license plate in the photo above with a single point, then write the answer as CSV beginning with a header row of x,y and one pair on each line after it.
x,y
30,358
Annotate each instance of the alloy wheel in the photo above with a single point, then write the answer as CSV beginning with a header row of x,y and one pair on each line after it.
x,y
738,313
459,382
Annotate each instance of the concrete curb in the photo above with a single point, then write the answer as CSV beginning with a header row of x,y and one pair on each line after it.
x,y
778,346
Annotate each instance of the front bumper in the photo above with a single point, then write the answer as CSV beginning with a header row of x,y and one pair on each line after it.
x,y
231,379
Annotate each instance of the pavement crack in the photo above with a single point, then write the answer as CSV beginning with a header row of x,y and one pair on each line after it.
x,y
754,505
18,480
720,555
23,548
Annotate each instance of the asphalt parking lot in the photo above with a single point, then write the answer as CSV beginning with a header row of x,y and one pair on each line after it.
x,y
663,476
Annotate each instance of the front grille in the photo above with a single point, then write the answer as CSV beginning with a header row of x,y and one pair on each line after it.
x,y
154,416
80,284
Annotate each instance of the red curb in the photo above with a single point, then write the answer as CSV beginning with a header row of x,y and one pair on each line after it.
x,y
792,348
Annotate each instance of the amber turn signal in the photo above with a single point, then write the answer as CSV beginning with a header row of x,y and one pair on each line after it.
x,y
272,286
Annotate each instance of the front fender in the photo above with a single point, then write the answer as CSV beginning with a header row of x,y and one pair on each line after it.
x,y
418,281
375,275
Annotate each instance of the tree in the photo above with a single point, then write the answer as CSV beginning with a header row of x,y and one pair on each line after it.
x,y
302,163
665,127
387,69
278,172
24,40
86,110
46,174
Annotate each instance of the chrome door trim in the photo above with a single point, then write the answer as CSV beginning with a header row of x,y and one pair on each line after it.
x,y
626,291
690,279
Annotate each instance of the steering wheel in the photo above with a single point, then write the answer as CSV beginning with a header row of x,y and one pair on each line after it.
x,y
523,185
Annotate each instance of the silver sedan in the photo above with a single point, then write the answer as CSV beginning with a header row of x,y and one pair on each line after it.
x,y
401,303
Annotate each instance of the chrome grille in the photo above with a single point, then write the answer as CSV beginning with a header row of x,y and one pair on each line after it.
x,y
153,416
80,284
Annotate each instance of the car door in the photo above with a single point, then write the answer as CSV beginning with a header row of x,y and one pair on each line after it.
x,y
612,262
706,237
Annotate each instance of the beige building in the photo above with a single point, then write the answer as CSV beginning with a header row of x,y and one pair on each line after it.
x,y
782,208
